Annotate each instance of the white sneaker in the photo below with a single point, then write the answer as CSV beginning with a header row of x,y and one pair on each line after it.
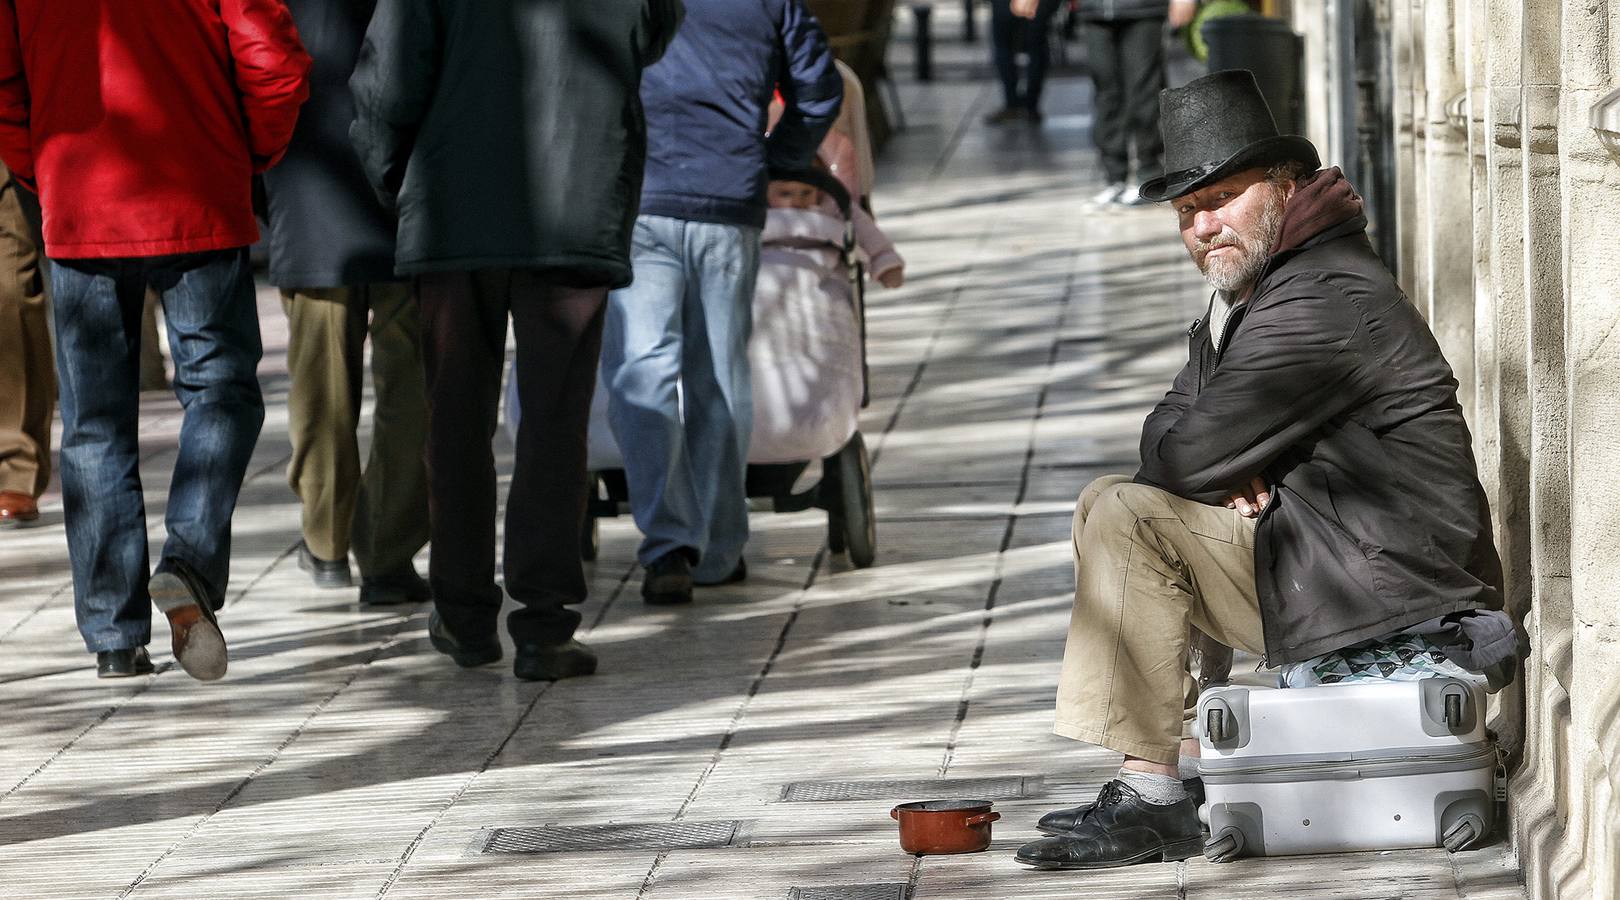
x,y
1132,198
1109,195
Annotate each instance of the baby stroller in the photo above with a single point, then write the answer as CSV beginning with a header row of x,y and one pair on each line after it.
x,y
808,357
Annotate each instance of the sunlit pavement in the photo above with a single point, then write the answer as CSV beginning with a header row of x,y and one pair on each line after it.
x,y
343,757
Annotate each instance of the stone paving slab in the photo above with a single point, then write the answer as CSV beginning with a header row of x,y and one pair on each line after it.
x,y
341,757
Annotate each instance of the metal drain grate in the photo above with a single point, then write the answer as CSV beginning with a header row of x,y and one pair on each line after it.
x,y
1011,787
892,891
586,838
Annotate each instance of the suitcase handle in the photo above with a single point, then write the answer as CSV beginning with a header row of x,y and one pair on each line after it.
x,y
1454,710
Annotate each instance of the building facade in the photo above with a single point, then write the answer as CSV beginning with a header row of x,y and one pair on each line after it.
x,y
1486,134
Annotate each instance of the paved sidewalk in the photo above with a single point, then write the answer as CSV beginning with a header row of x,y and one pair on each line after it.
x,y
342,757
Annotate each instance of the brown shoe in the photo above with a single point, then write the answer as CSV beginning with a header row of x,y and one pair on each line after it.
x,y
17,508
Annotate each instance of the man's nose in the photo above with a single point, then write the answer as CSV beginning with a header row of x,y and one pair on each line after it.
x,y
1206,224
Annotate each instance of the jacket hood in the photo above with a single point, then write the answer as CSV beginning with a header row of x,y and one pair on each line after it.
x,y
1323,200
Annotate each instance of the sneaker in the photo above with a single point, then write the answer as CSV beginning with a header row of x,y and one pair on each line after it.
x,y
1121,829
198,644
1108,195
668,580
327,573
1132,198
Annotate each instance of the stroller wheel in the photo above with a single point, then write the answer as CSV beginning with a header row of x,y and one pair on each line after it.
x,y
855,513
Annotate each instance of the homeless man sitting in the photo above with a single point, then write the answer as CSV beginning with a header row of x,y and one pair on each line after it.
x,y
1307,489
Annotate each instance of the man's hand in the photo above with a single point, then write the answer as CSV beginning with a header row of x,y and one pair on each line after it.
x,y
1252,500
1182,12
1025,8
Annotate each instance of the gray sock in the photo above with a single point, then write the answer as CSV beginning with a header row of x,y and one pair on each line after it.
x,y
1160,790
1187,767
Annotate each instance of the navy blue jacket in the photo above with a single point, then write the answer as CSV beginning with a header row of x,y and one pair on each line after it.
x,y
706,103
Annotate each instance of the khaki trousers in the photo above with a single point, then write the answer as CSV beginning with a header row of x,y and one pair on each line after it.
x,y
382,512
1148,565
27,371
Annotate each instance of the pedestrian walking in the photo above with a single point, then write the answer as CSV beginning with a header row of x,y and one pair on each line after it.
x,y
1025,33
675,355
1125,51
332,255
509,137
141,125
27,374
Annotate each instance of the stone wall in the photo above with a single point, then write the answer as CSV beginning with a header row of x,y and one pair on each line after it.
x,y
1508,214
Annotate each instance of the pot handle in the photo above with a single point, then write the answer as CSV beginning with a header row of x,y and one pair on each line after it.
x,y
895,814
984,818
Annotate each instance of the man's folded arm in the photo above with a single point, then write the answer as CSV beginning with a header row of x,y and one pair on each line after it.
x,y
393,84
1293,366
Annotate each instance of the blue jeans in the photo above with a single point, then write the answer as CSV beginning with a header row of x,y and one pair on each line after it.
x,y
675,362
213,324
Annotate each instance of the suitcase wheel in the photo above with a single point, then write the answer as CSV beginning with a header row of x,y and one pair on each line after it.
x,y
1464,833
1454,710
1224,847
1215,725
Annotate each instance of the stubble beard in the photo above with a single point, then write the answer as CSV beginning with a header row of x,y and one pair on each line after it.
x,y
1236,269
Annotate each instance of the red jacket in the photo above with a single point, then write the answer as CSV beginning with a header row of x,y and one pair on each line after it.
x,y
143,121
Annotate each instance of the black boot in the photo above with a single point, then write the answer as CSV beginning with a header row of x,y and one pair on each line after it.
x,y
1121,829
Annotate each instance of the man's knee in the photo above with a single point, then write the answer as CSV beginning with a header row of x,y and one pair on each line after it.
x,y
1089,497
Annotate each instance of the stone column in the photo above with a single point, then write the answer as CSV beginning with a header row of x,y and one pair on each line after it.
x,y
1590,187
1448,275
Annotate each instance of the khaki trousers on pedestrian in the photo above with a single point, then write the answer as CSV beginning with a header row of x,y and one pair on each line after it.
x,y
1147,565
381,513
27,370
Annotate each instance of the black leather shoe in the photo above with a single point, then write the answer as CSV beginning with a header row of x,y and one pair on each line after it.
x,y
1121,829
1064,820
199,645
123,663
327,573
552,662
467,654
668,580
394,588
737,576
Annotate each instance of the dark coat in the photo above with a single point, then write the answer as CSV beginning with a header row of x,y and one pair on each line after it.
x,y
327,228
707,101
507,133
1331,386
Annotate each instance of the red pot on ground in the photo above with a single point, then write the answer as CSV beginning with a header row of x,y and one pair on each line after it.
x,y
937,827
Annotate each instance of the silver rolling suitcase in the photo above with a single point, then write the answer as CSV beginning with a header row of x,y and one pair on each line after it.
x,y
1365,766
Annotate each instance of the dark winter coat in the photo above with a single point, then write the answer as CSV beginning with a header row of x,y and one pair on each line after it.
x,y
142,124
508,133
707,102
1331,386
1119,10
327,228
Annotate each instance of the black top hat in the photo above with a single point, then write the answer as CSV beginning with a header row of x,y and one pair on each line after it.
x,y
1216,125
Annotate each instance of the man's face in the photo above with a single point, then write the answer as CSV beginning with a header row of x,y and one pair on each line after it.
x,y
791,195
1231,227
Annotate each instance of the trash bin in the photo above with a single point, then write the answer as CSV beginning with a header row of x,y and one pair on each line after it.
x,y
1272,51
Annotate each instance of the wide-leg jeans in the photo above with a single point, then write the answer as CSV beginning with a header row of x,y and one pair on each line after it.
x,y
675,362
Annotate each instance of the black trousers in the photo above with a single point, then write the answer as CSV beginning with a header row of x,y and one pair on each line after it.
x,y
559,339
1127,64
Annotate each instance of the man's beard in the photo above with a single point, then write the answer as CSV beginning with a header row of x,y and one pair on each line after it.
x,y
1234,269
